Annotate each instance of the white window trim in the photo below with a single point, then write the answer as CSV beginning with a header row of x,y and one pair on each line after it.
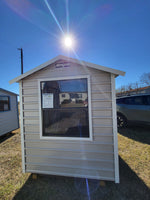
x,y
90,138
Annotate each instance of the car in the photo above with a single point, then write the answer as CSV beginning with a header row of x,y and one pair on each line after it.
x,y
133,109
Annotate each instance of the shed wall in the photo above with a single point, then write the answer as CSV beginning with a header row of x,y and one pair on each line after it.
x,y
92,159
9,119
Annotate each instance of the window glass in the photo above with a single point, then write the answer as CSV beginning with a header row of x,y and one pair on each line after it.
x,y
65,108
120,101
129,100
138,100
148,99
4,103
134,100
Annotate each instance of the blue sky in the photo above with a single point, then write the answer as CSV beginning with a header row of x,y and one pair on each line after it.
x,y
112,33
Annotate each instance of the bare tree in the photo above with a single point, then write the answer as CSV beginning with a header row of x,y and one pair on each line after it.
x,y
145,79
136,87
123,89
129,87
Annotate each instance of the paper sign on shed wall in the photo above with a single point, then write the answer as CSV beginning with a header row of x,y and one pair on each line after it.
x,y
48,100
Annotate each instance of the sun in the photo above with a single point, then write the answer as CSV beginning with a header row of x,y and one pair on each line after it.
x,y
68,41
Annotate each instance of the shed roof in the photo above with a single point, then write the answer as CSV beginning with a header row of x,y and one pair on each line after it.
x,y
73,60
3,90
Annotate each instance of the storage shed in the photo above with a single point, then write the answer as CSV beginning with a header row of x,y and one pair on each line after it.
x,y
68,119
9,117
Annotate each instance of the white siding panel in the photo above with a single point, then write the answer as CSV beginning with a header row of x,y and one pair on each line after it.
x,y
99,78
105,130
70,162
102,113
29,83
31,128
105,138
31,114
70,154
58,72
97,138
56,170
30,99
30,91
101,88
73,70
70,146
102,122
31,121
31,106
101,95
101,104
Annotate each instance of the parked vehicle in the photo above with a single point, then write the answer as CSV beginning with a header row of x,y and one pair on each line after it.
x,y
135,109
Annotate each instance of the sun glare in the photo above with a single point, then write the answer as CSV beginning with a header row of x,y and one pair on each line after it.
x,y
68,42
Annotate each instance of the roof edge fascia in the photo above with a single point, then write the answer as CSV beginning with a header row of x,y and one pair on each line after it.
x,y
84,63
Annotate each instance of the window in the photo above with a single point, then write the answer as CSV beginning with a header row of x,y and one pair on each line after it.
x,y
148,100
65,108
129,100
120,101
134,100
139,100
4,103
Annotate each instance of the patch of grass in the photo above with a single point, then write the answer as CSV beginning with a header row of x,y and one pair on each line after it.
x,y
134,175
11,177
136,153
137,133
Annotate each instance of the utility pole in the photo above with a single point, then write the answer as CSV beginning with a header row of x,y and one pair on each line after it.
x,y
21,51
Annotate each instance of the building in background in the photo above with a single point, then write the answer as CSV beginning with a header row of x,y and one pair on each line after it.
x,y
141,90
9,116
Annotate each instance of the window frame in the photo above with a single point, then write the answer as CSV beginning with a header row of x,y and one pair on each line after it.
x,y
8,103
90,138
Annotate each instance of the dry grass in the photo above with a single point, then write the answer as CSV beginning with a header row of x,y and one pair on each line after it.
x,y
134,174
11,177
136,154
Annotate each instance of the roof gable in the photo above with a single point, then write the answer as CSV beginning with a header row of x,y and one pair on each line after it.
x,y
67,59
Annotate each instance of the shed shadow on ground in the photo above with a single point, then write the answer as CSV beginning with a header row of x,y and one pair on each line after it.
x,y
137,133
56,187
6,136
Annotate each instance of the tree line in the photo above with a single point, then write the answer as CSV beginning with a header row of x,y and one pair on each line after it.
x,y
144,81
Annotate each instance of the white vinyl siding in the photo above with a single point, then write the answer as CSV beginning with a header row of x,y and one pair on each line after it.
x,y
92,159
9,119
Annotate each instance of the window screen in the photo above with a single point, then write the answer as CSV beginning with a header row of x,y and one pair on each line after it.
x,y
65,108
4,103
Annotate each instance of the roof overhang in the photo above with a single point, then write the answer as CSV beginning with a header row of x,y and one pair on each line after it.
x,y
3,90
73,60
